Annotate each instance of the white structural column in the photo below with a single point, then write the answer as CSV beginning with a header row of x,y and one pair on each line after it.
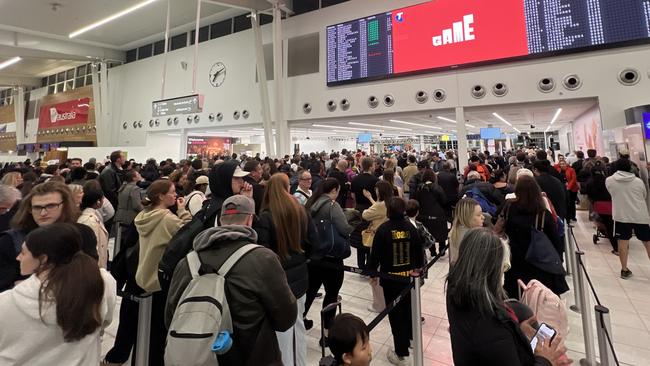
x,y
164,71
97,101
196,45
19,114
183,148
263,86
103,126
462,138
283,137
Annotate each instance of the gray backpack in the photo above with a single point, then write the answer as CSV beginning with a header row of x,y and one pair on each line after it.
x,y
201,314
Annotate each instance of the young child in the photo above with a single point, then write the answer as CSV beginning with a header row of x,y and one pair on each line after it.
x,y
349,341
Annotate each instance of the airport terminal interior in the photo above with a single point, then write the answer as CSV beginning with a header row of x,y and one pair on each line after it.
x,y
110,108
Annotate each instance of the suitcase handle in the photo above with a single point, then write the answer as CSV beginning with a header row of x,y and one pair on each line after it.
x,y
328,308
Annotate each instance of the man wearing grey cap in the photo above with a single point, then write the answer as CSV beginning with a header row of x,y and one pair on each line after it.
x,y
259,297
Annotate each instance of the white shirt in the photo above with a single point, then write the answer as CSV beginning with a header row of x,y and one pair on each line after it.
x,y
25,339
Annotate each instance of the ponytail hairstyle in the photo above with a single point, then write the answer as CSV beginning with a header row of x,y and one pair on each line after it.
x,y
325,187
72,280
157,188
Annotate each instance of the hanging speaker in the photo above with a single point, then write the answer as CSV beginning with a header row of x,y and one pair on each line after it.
x,y
572,82
546,85
439,95
478,91
421,97
331,106
389,100
629,77
373,102
499,89
306,108
345,104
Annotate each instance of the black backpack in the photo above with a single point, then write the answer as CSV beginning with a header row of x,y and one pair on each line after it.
x,y
182,242
125,263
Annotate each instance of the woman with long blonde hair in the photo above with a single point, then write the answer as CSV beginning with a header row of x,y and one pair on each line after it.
x,y
467,215
13,179
284,227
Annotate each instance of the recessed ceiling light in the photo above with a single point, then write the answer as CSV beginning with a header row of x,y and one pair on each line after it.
x,y
9,62
411,123
110,18
502,119
470,126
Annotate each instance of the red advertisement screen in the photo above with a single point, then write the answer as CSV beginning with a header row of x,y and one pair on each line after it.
x,y
452,32
66,113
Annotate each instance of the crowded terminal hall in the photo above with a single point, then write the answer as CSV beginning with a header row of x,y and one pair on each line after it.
x,y
325,183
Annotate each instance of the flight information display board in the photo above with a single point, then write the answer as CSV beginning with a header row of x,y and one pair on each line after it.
x,y
181,105
450,33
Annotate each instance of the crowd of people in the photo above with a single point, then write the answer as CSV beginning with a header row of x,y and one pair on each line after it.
x,y
305,212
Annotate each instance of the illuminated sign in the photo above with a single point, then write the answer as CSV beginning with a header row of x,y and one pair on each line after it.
x,y
180,105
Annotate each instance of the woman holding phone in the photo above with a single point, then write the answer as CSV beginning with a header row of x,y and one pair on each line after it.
x,y
484,328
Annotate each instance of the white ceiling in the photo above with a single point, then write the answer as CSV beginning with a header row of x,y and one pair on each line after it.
x,y
37,67
39,16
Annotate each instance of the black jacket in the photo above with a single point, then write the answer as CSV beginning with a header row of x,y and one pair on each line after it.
x,y
9,266
295,266
596,190
396,248
518,225
258,192
488,340
111,180
555,191
486,188
449,183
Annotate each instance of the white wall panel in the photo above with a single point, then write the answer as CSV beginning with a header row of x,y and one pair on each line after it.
x,y
139,82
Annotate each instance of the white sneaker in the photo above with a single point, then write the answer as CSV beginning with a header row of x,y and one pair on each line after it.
x,y
395,359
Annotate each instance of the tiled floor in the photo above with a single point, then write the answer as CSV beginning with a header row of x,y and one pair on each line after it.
x,y
628,301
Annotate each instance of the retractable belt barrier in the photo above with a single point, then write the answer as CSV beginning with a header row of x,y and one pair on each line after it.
x,y
606,349
412,286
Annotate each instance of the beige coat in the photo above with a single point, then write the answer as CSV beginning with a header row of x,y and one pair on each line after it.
x,y
155,228
376,214
91,218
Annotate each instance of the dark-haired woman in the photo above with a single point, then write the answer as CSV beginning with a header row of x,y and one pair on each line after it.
x,y
323,206
285,228
525,212
47,203
501,182
397,250
91,201
432,199
484,329
54,317
156,225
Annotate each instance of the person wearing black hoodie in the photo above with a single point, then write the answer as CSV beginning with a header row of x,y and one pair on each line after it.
x,y
397,250
226,179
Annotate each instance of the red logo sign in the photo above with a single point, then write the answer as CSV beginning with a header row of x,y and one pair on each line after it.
x,y
454,32
66,113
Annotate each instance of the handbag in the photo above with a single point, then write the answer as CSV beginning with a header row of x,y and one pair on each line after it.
x,y
334,244
541,253
367,237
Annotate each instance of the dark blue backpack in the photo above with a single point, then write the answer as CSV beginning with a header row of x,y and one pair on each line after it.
x,y
486,205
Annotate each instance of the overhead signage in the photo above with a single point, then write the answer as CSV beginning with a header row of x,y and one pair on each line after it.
x,y
445,34
63,114
181,105
474,137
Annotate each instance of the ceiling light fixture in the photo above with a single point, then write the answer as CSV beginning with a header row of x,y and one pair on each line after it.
x,y
502,119
386,127
515,128
411,123
9,62
557,114
110,18
470,126
446,119
347,128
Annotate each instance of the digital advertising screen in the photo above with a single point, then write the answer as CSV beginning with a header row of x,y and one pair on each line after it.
x,y
445,34
490,133
646,125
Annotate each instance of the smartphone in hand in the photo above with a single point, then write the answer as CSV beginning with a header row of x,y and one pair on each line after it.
x,y
544,333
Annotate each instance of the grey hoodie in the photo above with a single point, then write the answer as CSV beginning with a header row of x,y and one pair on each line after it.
x,y
324,207
628,198
259,297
